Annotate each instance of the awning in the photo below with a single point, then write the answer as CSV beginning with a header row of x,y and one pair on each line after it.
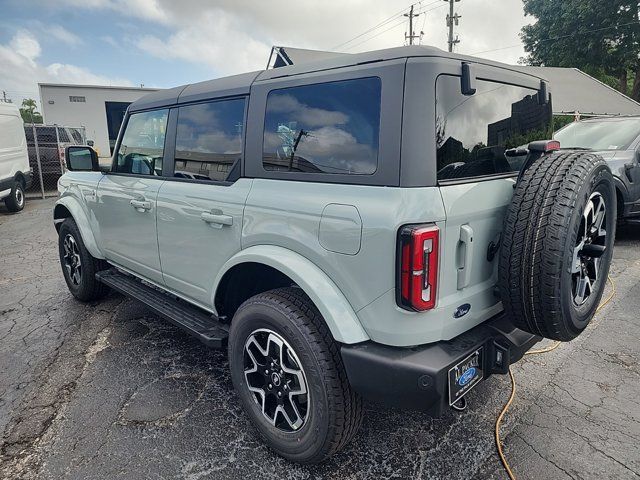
x,y
574,91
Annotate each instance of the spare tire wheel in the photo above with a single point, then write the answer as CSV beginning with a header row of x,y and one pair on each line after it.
x,y
557,244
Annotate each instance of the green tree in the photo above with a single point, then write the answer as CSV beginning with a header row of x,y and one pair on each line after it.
x,y
599,37
28,111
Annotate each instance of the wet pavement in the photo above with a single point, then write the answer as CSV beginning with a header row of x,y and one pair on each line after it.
x,y
108,390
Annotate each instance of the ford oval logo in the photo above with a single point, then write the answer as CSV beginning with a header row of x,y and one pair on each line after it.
x,y
462,310
467,376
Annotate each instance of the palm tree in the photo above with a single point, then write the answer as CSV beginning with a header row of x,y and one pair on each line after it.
x,y
28,111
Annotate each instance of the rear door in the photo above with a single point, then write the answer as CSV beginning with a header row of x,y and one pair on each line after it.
x,y
125,209
476,179
200,206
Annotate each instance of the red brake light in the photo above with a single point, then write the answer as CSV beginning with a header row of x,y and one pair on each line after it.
x,y
418,267
552,146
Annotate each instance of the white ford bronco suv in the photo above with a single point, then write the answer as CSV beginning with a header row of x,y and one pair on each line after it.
x,y
389,225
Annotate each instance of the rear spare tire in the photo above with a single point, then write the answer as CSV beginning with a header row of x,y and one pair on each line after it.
x,y
557,244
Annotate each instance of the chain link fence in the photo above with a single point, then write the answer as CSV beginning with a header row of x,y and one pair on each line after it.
x,y
46,145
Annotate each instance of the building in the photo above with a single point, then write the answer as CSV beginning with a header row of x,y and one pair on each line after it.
x,y
99,109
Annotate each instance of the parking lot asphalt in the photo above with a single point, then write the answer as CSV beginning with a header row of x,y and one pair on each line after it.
x,y
108,390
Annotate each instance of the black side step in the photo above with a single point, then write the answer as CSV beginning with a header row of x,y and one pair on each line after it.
x,y
202,325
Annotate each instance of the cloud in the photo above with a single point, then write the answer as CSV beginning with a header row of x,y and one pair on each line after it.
x,y
60,33
21,71
214,39
26,46
232,36
309,116
144,9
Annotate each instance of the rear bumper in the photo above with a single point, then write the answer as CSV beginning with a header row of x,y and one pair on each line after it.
x,y
417,378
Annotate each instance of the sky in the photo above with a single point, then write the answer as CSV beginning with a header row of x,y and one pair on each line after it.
x,y
165,43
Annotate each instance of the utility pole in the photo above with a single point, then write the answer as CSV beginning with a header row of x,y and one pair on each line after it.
x,y
452,19
412,34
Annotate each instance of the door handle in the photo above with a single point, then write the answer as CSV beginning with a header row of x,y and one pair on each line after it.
x,y
216,218
141,205
466,259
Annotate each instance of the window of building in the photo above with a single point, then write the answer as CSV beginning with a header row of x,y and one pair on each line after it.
x,y
473,132
77,98
142,145
324,128
209,140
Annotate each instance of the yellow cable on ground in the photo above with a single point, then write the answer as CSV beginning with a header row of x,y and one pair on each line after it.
x,y
553,346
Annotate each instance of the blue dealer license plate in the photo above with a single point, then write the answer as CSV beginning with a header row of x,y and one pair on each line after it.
x,y
465,375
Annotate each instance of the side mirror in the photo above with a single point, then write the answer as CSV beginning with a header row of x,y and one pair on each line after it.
x,y
90,143
81,159
468,79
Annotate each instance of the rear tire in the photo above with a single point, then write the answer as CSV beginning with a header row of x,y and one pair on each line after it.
x,y
16,199
78,266
557,244
330,414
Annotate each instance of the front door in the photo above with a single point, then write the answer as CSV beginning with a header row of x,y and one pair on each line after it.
x,y
126,204
200,208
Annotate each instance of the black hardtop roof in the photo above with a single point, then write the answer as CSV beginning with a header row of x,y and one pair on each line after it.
x,y
240,84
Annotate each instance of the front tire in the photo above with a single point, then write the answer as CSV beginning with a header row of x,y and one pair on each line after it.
x,y
16,199
288,373
78,266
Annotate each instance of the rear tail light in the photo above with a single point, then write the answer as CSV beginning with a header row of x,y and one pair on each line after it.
x,y
544,146
417,276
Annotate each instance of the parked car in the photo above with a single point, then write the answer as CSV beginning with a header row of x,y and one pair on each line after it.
x,y
366,231
52,142
617,139
15,173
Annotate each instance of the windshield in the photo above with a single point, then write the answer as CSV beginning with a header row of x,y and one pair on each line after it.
x,y
600,135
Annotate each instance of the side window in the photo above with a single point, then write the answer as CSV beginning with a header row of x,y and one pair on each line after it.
x,y
324,128
209,140
142,145
473,132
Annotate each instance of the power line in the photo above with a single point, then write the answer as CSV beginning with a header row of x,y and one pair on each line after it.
x,y
422,9
378,25
377,34
560,37
424,21
385,22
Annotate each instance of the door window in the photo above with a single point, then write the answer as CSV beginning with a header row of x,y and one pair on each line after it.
x,y
473,132
209,141
324,128
142,146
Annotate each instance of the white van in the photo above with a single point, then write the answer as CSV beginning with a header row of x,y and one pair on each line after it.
x,y
15,172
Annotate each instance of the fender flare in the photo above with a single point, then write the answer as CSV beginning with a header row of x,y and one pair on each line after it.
x,y
334,307
81,218
621,187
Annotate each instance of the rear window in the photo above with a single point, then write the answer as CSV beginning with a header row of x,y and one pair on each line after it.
x,y
473,132
324,128
616,134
